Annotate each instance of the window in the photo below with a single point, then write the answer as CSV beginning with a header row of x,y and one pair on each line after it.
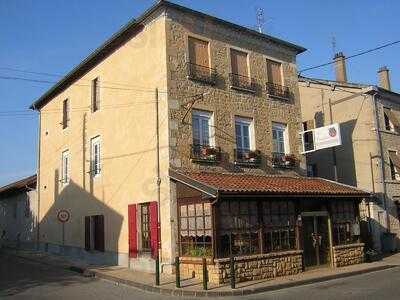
x,y
279,223
312,170
394,162
195,229
198,52
274,72
343,218
65,120
279,138
243,130
95,95
95,167
94,233
239,63
145,227
65,167
201,123
388,123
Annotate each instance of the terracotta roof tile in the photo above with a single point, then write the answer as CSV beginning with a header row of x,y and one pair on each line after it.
x,y
245,183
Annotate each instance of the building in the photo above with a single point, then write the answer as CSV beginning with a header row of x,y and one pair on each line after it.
x,y
18,213
368,116
157,135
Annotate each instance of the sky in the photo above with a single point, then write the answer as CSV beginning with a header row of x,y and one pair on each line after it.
x,y
52,36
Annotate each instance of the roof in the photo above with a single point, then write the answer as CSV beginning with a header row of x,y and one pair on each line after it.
x,y
133,26
22,184
239,183
333,82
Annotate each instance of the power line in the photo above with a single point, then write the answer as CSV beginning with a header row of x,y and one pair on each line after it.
x,y
17,78
351,56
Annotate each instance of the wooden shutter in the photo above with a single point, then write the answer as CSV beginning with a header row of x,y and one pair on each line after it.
x,y
274,72
395,122
395,159
99,233
153,214
65,113
87,233
198,52
132,228
239,62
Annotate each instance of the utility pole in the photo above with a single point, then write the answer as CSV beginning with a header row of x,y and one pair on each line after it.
x,y
158,173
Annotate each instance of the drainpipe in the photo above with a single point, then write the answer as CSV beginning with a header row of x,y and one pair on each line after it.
x,y
382,169
38,181
158,175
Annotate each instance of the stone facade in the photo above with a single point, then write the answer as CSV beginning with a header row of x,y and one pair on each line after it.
x,y
346,255
247,268
224,102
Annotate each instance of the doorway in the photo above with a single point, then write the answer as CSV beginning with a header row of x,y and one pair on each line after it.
x,y
315,239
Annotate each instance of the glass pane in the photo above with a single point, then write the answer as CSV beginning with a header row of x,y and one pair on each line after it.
x,y
199,209
191,210
183,211
205,132
200,223
183,224
238,136
207,209
192,224
208,223
196,130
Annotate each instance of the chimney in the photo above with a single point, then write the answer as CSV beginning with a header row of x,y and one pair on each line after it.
x,y
340,67
384,79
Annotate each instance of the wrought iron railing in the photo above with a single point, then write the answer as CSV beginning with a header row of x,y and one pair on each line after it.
x,y
205,153
282,160
277,90
242,82
247,157
201,73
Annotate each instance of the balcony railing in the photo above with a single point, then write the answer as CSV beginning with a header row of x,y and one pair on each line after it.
x,y
283,161
247,157
205,153
201,73
277,90
243,83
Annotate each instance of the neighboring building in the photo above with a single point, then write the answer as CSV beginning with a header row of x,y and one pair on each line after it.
x,y
224,125
18,213
369,121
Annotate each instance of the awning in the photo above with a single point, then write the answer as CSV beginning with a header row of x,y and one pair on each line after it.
x,y
395,159
392,117
215,184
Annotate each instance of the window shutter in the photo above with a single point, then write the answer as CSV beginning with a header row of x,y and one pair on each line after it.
x,y
87,233
198,52
132,227
153,228
274,72
239,62
99,231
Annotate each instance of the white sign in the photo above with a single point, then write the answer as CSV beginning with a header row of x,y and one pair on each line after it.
x,y
321,138
327,136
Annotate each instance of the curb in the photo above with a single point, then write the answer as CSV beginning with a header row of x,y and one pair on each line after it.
x,y
238,292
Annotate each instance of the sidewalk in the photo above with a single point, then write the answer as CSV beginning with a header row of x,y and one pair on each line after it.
x,y
194,287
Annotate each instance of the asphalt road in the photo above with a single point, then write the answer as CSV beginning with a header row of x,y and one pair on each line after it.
x,y
23,279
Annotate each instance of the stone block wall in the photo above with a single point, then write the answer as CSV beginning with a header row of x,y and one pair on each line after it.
x,y
346,255
224,102
252,267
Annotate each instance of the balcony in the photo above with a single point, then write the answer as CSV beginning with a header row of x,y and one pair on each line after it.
x,y
249,158
283,161
242,83
201,73
205,154
279,91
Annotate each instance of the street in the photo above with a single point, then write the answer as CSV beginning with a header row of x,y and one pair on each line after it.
x,y
23,279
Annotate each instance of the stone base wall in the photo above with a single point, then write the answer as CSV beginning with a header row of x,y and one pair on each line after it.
x,y
346,255
253,267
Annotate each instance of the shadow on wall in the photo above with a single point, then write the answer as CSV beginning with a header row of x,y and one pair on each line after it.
x,y
93,226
